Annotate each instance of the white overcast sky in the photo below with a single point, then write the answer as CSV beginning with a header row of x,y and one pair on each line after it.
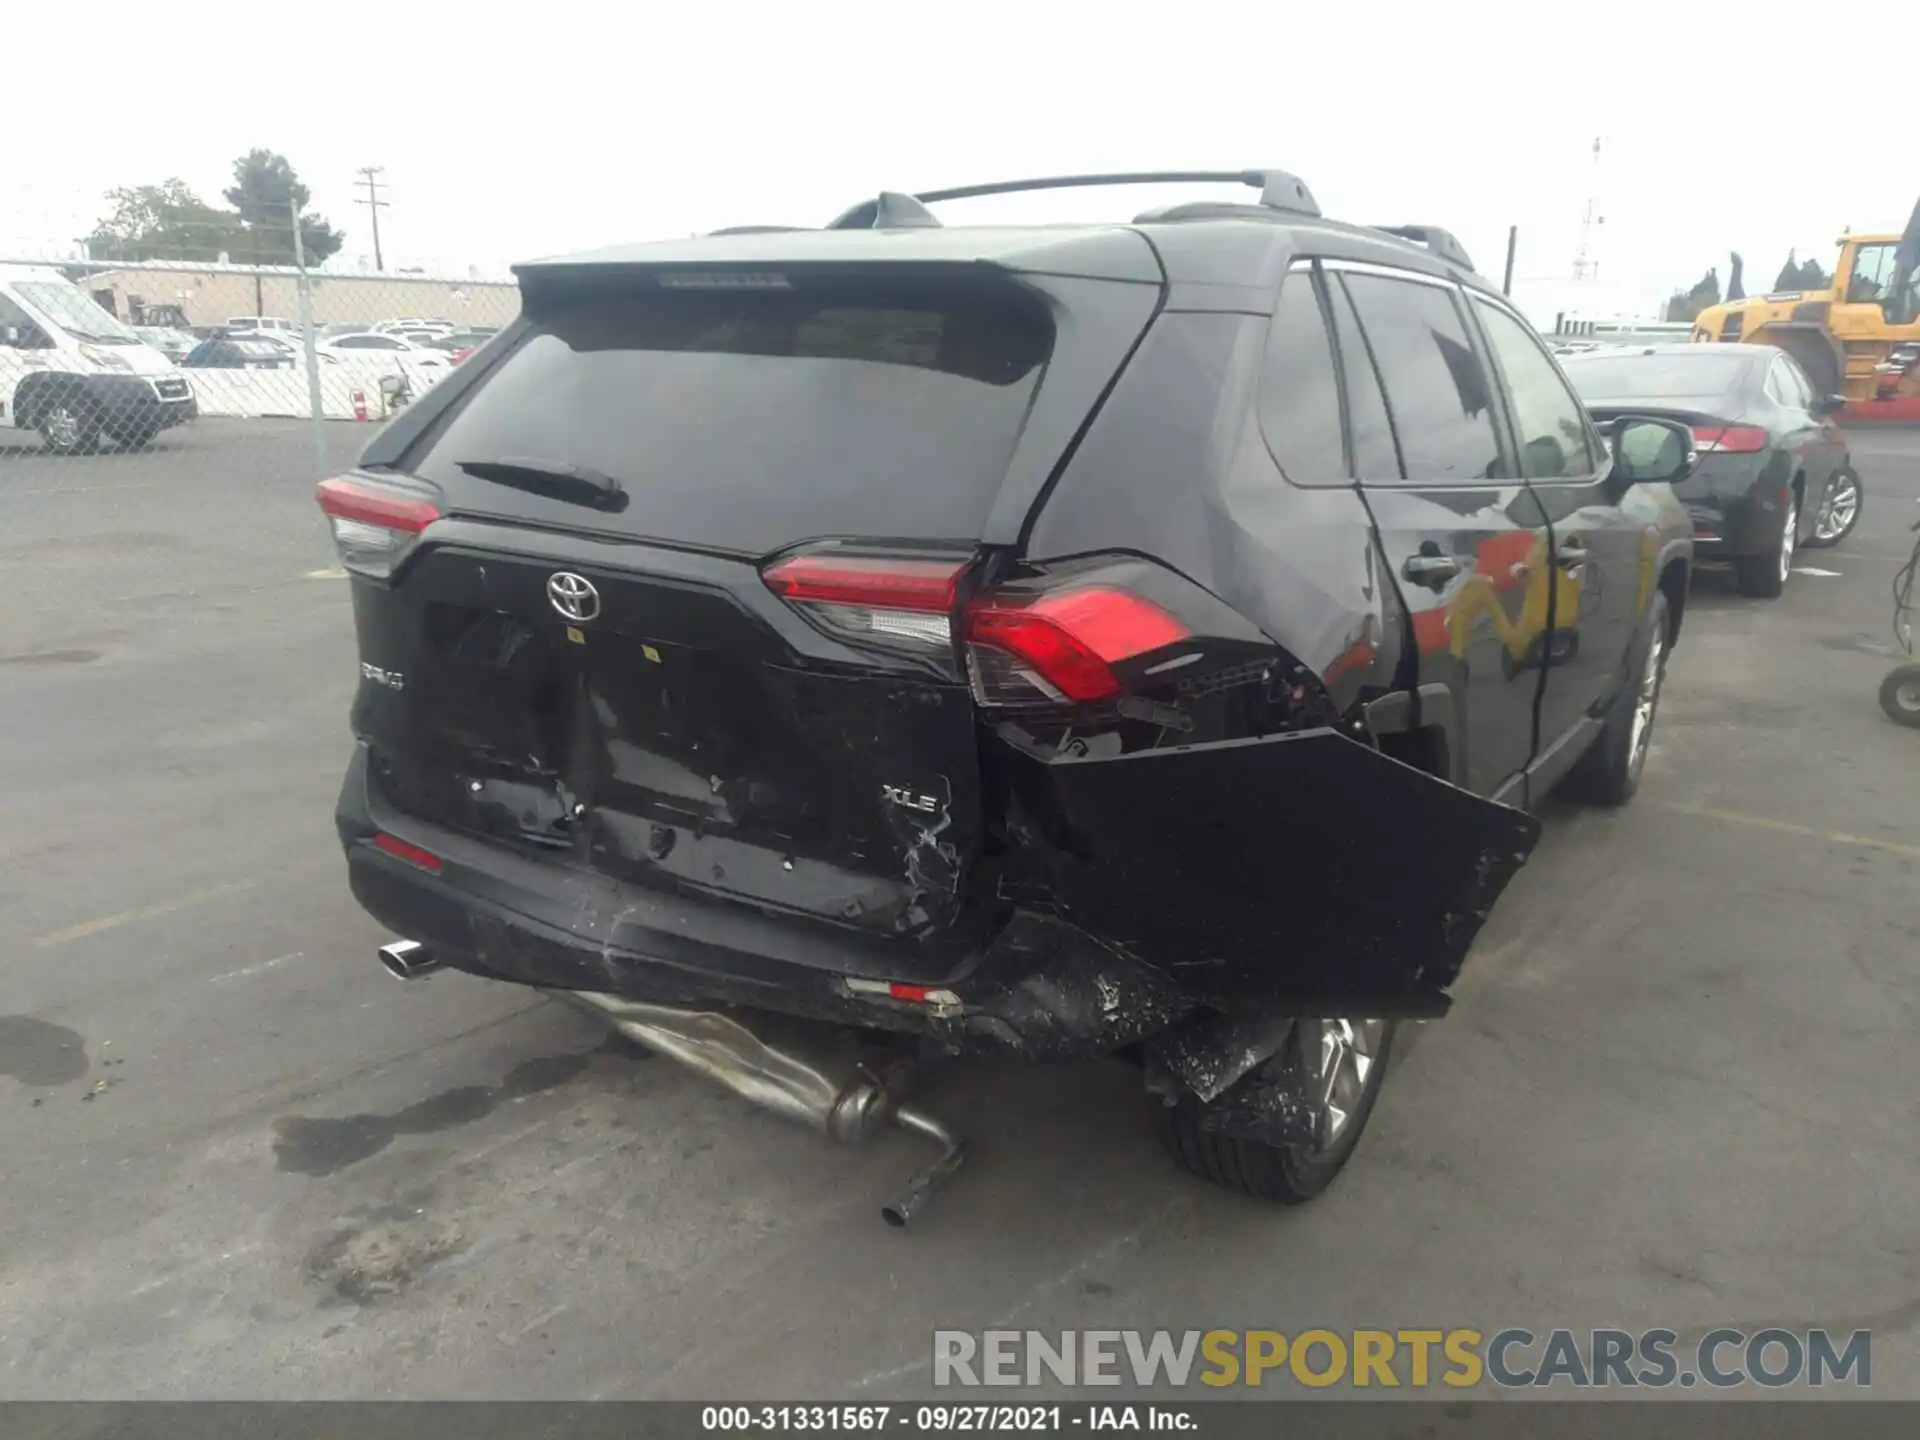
x,y
539,128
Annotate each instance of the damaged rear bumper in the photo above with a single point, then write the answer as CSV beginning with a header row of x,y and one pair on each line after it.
x,y
1296,874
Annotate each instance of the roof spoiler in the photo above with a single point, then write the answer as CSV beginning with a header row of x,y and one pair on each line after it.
x,y
890,210
1441,242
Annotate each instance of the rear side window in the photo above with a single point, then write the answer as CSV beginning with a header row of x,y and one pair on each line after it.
x,y
751,418
1375,455
1548,421
1299,395
1437,387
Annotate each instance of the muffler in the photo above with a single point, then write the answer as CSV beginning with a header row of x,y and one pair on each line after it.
x,y
799,1078
408,959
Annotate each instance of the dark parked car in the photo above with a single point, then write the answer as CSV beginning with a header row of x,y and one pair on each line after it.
x,y
1135,639
239,352
1774,472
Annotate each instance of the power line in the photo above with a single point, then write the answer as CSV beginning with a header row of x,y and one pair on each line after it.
x,y
370,177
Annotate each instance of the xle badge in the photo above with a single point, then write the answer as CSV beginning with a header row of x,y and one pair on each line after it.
x,y
907,800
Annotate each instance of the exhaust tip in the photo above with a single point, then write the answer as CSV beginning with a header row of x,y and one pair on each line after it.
x,y
408,960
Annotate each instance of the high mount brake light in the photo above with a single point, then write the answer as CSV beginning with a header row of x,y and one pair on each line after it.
x,y
1061,646
1729,439
373,526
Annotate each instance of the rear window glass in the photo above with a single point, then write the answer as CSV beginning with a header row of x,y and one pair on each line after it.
x,y
749,419
1668,375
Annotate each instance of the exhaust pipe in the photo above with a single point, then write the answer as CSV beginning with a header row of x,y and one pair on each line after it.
x,y
798,1078
409,960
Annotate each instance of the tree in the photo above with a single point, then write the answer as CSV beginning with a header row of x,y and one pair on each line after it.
x,y
164,222
1687,304
266,192
1789,276
1814,276
1735,290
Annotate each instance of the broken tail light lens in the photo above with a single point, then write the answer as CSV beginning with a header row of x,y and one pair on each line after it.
x,y
890,600
1042,640
1061,645
1729,439
374,525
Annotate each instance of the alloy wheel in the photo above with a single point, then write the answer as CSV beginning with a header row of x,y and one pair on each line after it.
x,y
1645,703
1842,504
1341,1061
62,427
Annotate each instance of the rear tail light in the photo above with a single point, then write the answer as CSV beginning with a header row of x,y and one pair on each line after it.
x,y
1729,439
885,599
374,525
1060,645
1037,641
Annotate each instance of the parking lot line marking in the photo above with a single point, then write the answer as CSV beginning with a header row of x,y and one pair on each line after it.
x,y
332,572
145,912
1787,827
92,489
1798,569
277,961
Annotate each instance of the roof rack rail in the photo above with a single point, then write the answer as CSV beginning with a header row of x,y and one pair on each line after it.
x,y
1441,242
889,210
1279,190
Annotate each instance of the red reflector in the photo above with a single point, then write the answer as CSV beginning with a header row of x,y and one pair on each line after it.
x,y
916,993
891,584
412,854
1731,439
347,499
1071,639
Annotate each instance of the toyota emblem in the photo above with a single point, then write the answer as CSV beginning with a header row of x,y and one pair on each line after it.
x,y
573,596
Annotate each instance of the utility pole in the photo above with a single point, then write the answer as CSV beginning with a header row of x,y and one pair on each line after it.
x,y
370,177
314,403
1584,267
1513,248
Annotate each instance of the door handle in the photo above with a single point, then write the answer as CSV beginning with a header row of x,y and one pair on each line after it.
x,y
1434,570
1571,556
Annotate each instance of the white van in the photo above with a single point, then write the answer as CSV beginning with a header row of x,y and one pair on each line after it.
x,y
72,371
271,324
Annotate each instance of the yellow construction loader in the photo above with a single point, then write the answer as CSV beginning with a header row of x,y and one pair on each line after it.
x,y
1859,338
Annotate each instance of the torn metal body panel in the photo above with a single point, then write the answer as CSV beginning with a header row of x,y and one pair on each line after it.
x,y
1303,869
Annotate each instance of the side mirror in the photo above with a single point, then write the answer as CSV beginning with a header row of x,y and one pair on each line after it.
x,y
1829,404
1651,451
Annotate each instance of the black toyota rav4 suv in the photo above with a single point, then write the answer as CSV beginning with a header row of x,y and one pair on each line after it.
x,y
1141,639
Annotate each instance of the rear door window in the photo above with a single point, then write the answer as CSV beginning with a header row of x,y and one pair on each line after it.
x,y
1299,393
1549,422
1376,456
747,419
1437,386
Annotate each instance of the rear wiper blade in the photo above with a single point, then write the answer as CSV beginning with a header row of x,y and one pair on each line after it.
x,y
553,477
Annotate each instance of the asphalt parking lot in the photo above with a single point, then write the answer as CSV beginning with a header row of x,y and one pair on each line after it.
x,y
1679,1087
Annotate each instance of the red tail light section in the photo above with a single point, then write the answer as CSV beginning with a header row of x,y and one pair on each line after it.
x,y
373,525
1061,646
901,602
1729,439
1024,644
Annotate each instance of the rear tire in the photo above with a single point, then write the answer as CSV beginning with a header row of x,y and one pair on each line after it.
x,y
1900,695
1765,576
1609,773
1281,1174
